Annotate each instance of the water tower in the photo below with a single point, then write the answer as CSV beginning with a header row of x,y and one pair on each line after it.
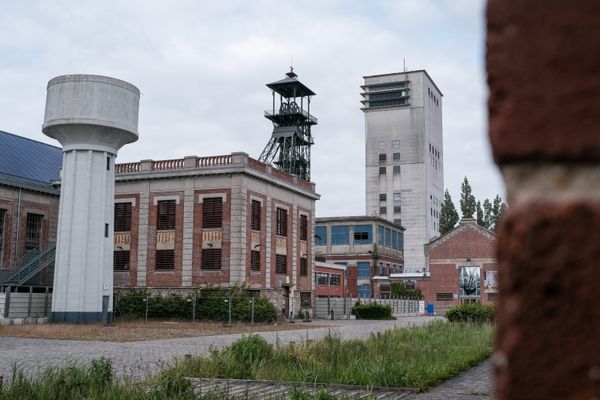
x,y
289,146
92,117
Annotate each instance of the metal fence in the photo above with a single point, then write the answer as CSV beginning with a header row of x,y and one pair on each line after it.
x,y
341,308
192,306
25,302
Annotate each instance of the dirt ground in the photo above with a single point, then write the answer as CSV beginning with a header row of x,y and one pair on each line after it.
x,y
139,330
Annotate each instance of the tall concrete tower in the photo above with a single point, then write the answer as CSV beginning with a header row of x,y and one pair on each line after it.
x,y
404,156
92,117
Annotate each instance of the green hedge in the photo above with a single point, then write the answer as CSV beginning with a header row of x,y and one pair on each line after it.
x,y
212,304
372,311
471,312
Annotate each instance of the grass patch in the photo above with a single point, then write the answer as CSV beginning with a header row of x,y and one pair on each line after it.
x,y
96,382
408,357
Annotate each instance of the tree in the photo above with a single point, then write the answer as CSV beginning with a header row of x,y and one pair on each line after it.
x,y
399,289
467,200
448,214
480,217
498,208
487,214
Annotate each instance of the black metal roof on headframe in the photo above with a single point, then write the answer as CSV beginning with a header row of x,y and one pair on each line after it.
x,y
290,86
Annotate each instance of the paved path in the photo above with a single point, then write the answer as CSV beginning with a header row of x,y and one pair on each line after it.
x,y
139,359
473,384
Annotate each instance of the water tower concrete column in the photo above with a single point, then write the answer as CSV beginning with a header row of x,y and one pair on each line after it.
x,y
92,117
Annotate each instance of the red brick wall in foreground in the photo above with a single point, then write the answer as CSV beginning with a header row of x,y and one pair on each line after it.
x,y
543,69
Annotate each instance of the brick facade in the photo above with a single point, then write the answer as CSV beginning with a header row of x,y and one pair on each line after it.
x,y
202,276
129,278
237,180
15,220
467,245
322,290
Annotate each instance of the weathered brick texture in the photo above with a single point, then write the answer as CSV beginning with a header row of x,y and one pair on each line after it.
x,y
549,319
544,75
535,112
465,242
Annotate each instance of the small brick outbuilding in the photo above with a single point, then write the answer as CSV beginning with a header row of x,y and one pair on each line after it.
x,y
462,267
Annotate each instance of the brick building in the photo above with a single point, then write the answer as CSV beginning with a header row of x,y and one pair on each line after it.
x,y
28,200
222,220
461,267
187,223
330,280
371,248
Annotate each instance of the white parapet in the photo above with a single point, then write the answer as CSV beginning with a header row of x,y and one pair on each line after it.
x,y
92,117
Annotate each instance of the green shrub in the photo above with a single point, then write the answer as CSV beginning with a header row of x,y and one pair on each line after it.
x,y
251,349
264,310
372,311
471,312
212,304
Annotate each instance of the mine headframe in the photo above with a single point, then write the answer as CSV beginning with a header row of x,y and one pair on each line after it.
x,y
289,146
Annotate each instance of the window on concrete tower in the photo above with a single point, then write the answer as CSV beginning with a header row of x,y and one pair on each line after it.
x,y
165,215
396,169
382,197
212,212
382,170
382,210
382,158
396,157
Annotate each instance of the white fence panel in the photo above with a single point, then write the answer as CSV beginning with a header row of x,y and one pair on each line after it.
x,y
25,305
340,308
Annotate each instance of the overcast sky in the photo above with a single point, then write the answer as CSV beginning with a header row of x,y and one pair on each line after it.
x,y
202,67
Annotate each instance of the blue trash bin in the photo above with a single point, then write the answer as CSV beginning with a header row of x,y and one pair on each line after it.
x,y
430,310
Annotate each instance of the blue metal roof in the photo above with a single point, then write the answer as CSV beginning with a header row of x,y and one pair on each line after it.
x,y
27,161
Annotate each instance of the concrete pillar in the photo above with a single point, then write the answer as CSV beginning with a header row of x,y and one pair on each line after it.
x,y
92,117
543,70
